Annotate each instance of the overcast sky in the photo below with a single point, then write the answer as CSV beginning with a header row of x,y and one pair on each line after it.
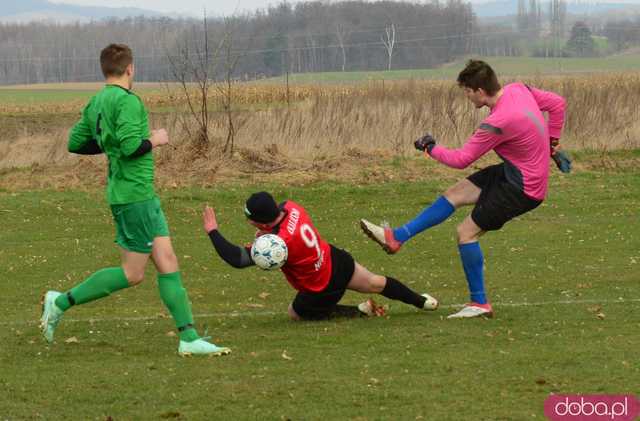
x,y
191,7
216,7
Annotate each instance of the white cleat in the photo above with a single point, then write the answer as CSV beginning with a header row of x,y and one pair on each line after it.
x,y
371,309
382,235
473,310
51,315
431,303
201,347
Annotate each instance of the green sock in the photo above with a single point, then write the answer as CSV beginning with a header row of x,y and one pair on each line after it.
x,y
98,285
174,296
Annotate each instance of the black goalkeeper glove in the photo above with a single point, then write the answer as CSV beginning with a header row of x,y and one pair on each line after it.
x,y
562,161
561,158
425,143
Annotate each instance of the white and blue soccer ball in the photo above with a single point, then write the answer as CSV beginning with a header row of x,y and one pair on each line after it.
x,y
269,252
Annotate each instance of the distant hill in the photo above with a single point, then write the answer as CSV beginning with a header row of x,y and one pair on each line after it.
x,y
39,10
510,7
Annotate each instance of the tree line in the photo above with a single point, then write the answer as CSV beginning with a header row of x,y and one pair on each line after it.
x,y
306,37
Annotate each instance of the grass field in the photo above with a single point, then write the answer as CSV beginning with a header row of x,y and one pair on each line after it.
x,y
504,66
53,93
36,96
563,279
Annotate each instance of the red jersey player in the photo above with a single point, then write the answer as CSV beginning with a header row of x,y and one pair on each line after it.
x,y
320,272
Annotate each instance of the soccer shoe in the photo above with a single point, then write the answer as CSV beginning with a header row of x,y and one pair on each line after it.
x,y
431,303
382,235
51,315
201,347
473,310
371,309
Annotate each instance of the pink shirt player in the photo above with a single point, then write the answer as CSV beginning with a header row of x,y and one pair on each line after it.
x,y
518,132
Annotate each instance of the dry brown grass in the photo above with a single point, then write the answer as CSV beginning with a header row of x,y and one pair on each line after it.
x,y
602,115
335,131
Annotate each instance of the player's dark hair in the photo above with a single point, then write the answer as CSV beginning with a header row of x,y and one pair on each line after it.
x,y
261,207
478,74
114,59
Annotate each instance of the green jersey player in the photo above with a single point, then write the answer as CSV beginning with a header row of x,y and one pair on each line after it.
x,y
115,123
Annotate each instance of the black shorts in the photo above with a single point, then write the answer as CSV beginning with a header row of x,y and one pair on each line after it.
x,y
500,201
319,305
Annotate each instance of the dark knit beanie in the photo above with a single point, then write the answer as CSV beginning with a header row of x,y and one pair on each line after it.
x,y
261,207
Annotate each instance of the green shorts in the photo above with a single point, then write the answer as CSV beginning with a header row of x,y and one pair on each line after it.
x,y
138,224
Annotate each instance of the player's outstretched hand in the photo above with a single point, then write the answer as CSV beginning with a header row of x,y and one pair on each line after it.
x,y
562,160
425,143
159,137
209,221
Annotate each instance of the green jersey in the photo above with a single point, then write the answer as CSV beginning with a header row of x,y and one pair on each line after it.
x,y
117,121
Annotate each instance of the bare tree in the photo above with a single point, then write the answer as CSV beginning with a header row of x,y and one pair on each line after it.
x,y
313,51
389,41
343,33
534,19
230,58
557,16
192,68
523,19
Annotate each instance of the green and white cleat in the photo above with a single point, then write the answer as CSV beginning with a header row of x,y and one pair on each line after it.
x,y
51,315
201,347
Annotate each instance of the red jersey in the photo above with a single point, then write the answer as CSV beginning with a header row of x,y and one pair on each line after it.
x,y
308,266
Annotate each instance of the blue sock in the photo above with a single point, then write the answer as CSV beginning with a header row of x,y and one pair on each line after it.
x,y
438,212
473,262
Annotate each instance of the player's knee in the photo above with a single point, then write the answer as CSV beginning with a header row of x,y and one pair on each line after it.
x,y
464,235
377,283
453,195
166,261
134,277
169,258
460,233
292,314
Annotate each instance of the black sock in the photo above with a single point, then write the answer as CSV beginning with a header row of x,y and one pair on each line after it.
x,y
396,290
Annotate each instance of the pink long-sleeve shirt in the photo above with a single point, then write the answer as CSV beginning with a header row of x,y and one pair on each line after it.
x,y
518,132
